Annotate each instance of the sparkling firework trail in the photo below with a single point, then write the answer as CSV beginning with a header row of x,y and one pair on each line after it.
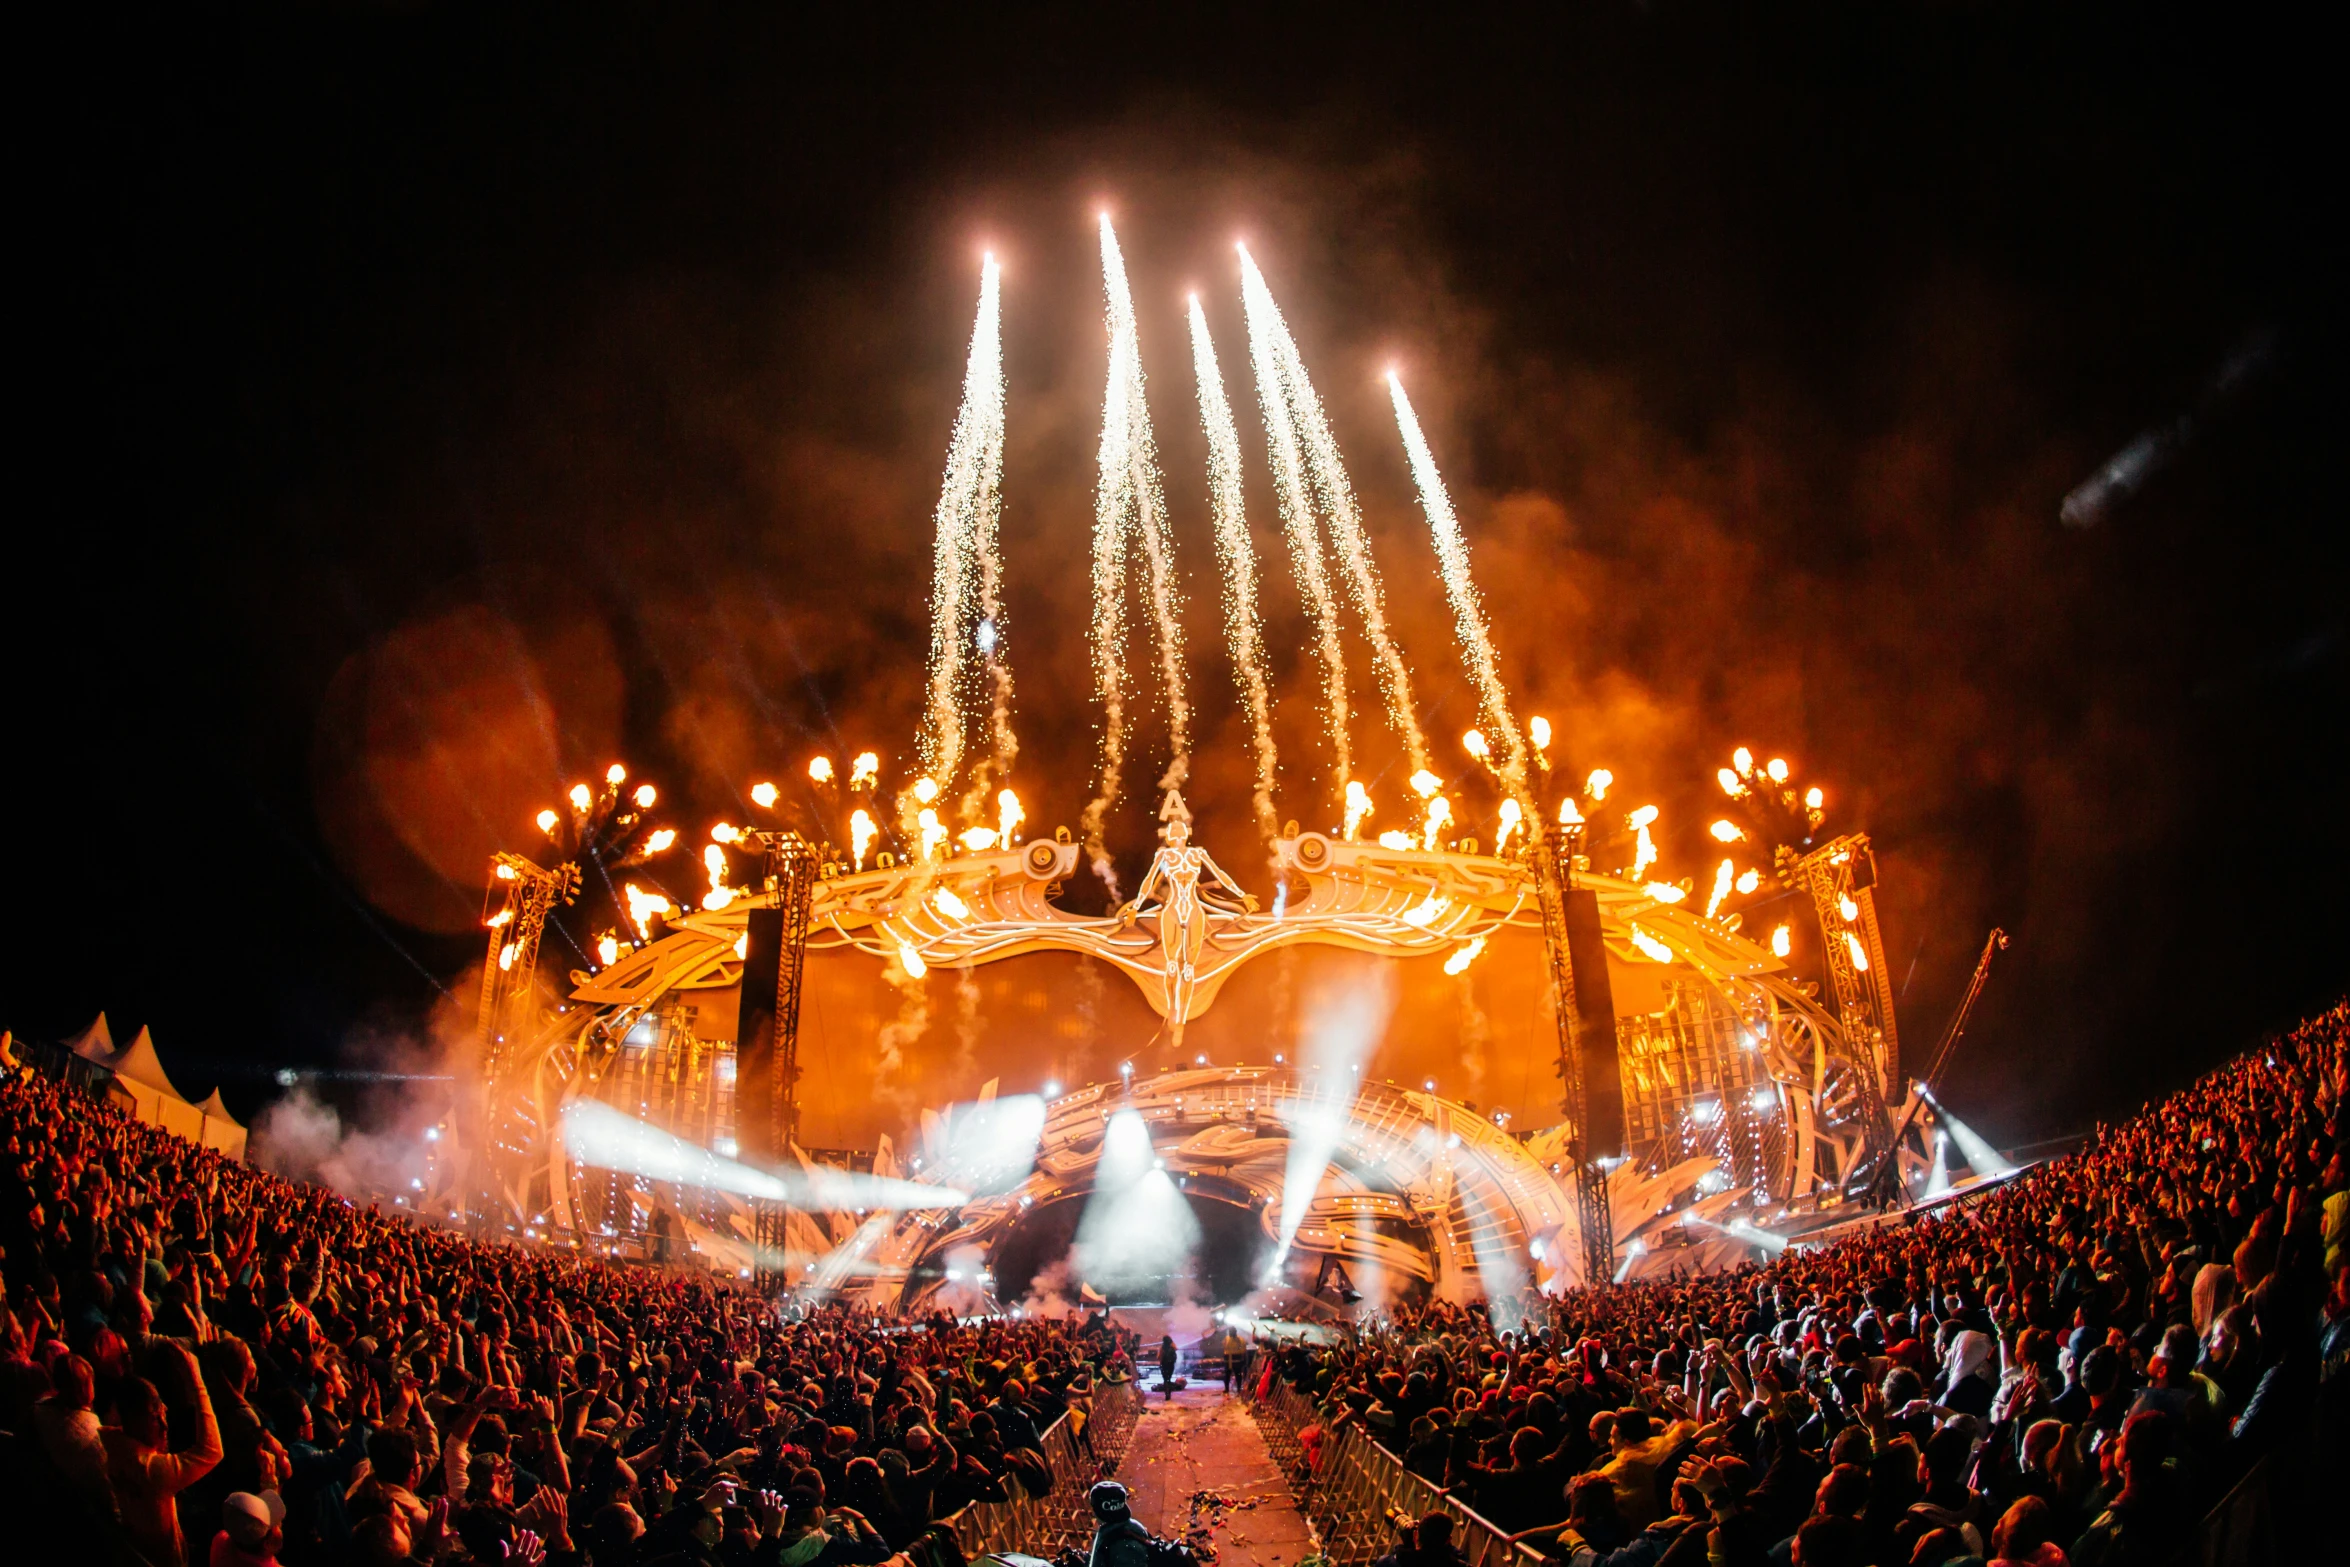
x,y
1468,612
1337,503
1290,486
966,571
1129,505
1238,556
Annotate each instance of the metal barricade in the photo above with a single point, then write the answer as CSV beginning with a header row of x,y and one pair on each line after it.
x,y
1360,1491
1041,1525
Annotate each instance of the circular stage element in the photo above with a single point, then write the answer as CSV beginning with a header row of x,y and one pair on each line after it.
x,y
1207,1185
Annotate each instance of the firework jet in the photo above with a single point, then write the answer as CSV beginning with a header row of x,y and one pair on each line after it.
x,y
966,610
1237,555
1130,507
1468,612
1281,376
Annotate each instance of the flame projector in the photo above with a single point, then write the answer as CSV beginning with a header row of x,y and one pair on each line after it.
x,y
1407,1063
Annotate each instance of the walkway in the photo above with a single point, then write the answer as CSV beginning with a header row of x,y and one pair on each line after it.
x,y
1204,1442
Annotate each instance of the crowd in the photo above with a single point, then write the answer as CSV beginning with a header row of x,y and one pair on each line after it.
x,y
203,1364
2073,1368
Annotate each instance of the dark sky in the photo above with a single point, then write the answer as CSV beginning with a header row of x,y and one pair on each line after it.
x,y
439,405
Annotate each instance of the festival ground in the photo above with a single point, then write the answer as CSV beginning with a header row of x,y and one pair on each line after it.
x,y
1198,1461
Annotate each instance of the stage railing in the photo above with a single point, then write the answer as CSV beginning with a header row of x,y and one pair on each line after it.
x,y
1042,1525
1355,1492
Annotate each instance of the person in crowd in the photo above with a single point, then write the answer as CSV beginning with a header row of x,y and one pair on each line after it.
x,y
202,1362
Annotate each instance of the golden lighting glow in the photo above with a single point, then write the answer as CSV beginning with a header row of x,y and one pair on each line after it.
x,y
1538,730
1726,831
1777,769
1424,913
1358,806
724,832
1725,877
1462,957
1846,907
616,775
1394,839
978,839
1425,783
1474,743
1782,941
1815,797
1748,880
820,769
1743,760
952,907
1651,948
581,799
661,838
1513,816
1860,958
865,771
1008,817
862,832
645,795
1665,891
1598,784
926,790
547,821
934,832
764,796
1439,814
911,961
607,949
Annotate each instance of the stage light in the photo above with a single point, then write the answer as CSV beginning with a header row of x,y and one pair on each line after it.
x,y
599,1135
1980,1156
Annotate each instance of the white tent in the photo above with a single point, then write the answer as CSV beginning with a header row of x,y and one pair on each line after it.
x,y
142,1086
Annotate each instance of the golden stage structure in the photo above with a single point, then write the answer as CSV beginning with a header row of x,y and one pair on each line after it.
x,y
1686,1050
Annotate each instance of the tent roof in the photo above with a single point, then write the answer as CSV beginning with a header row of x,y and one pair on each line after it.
x,y
219,1112
139,1063
96,1043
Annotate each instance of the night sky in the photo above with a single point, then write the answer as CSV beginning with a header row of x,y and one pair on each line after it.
x,y
428,408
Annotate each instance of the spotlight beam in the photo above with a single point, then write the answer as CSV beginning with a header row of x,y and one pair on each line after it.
x,y
599,1135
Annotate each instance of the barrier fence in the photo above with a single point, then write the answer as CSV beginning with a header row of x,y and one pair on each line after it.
x,y
1041,1525
1355,1492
